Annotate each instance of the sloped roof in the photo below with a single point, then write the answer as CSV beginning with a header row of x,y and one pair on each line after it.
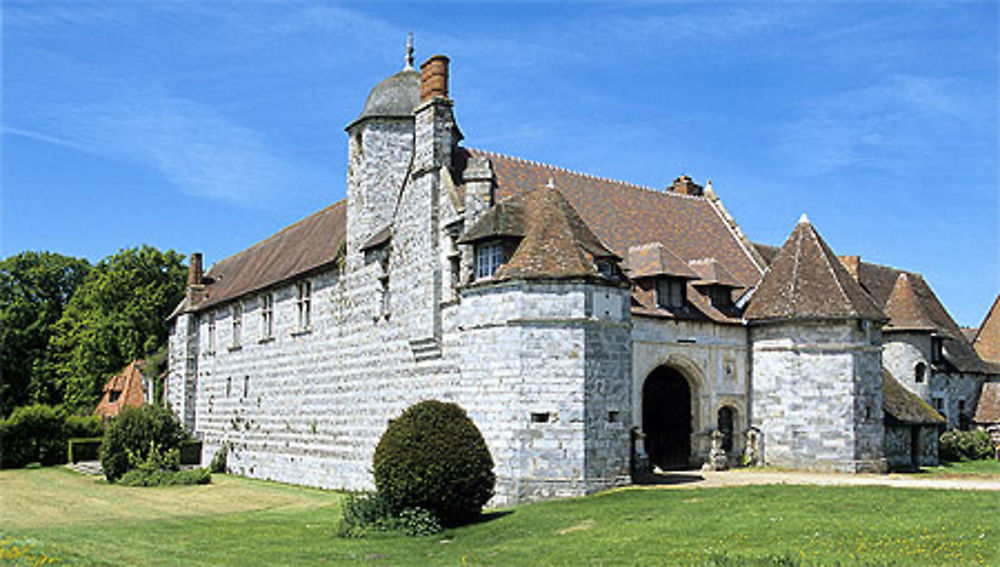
x,y
987,340
806,280
501,220
879,280
128,386
711,272
623,215
655,259
905,406
988,408
556,244
314,242
905,310
394,97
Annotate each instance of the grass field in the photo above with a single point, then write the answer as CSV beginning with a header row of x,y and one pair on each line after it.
x,y
83,521
989,468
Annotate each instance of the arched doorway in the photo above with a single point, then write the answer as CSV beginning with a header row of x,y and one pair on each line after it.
x,y
666,418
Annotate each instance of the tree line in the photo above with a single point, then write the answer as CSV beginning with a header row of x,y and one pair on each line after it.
x,y
66,326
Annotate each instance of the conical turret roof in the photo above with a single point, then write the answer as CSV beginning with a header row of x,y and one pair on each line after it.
x,y
905,310
807,281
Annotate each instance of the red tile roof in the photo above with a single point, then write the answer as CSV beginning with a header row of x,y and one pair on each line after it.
x,y
125,388
623,215
988,408
806,280
987,339
712,272
655,259
905,310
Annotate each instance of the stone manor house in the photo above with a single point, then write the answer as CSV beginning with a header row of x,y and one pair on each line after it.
x,y
591,328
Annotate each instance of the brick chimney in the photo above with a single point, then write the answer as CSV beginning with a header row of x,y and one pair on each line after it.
x,y
195,273
434,78
853,265
685,186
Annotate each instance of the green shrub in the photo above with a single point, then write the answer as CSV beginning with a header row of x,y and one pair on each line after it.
x,y
433,457
33,434
965,445
135,431
81,426
190,450
160,468
368,511
219,459
85,449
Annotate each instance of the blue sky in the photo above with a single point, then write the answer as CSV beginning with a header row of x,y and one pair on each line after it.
x,y
210,125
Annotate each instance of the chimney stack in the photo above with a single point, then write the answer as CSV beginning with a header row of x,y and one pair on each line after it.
x,y
685,186
434,78
195,274
853,265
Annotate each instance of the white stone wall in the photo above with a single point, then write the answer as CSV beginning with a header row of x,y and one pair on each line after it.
x,y
901,353
714,360
816,395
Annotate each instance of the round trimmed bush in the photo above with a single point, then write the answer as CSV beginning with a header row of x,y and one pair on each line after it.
x,y
434,457
136,430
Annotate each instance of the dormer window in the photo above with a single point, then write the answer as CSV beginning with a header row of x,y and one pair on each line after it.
x,y
605,267
937,350
670,292
720,296
489,257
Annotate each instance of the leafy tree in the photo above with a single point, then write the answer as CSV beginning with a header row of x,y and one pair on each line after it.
x,y
117,315
34,290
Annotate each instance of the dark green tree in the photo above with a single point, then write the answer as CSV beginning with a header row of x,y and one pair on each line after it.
x,y
117,315
34,290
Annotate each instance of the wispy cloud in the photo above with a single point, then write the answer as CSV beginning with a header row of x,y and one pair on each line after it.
x,y
878,126
193,146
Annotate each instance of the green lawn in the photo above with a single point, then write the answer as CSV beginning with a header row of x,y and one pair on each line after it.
x,y
236,521
988,468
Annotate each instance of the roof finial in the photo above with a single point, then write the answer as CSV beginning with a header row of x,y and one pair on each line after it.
x,y
409,52
804,219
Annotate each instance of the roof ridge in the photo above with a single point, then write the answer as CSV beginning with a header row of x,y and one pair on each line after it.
x,y
829,262
280,232
588,175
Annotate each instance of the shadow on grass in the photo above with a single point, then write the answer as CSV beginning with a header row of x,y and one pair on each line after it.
x,y
667,478
490,516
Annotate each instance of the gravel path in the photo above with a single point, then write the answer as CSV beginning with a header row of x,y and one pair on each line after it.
x,y
709,479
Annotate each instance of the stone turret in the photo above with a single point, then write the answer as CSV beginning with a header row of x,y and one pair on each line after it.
x,y
817,363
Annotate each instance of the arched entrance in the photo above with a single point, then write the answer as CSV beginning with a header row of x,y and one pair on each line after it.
x,y
666,418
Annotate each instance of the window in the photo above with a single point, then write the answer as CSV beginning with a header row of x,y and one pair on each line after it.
x,y
246,386
726,425
937,350
237,323
113,396
606,268
720,296
267,316
229,386
920,373
670,292
211,333
303,303
489,257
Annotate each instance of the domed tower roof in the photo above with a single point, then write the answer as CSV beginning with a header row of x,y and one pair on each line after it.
x,y
396,96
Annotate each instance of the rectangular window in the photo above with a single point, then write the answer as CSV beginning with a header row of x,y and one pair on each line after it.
x,y
211,332
246,386
489,257
237,323
229,386
303,303
720,296
670,292
267,316
937,350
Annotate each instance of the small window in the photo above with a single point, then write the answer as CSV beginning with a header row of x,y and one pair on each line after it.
x,y
606,268
613,416
267,316
229,387
113,396
720,296
540,417
670,292
937,350
489,258
920,373
246,386
303,304
211,332
237,323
